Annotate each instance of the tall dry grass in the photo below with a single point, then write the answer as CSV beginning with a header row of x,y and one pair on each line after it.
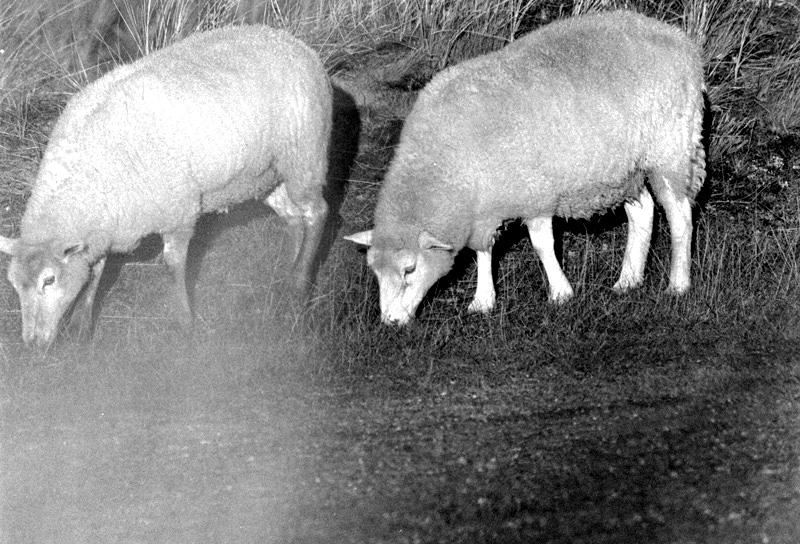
x,y
752,47
753,67
60,45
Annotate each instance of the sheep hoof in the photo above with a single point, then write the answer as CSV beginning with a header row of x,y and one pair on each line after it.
x,y
188,333
186,326
678,290
80,325
479,306
85,330
561,297
302,292
625,285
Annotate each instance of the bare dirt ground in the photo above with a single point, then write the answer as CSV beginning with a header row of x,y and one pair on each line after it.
x,y
237,436
682,453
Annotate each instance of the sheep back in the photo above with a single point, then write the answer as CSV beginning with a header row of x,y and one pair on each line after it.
x,y
559,122
213,120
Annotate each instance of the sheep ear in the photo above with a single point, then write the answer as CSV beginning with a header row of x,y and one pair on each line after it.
x,y
64,251
429,241
94,247
8,246
364,238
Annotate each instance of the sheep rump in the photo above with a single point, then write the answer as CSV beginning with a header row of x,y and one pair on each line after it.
x,y
569,120
218,118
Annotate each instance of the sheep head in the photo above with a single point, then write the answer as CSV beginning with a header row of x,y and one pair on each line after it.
x,y
48,278
405,273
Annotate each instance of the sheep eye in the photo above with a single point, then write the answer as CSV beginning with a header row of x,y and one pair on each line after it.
x,y
409,270
49,280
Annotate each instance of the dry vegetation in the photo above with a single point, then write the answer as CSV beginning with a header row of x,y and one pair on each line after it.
x,y
746,263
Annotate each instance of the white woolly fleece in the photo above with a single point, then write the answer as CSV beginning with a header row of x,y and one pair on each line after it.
x,y
564,121
210,121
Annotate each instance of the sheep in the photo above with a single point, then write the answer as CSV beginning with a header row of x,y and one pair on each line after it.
x,y
213,120
569,120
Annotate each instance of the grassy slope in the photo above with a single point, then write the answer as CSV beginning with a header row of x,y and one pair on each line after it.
x,y
634,417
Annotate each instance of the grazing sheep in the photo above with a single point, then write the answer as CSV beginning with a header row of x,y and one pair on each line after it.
x,y
567,121
218,118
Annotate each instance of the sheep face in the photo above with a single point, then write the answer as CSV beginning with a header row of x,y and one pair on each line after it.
x,y
47,280
405,273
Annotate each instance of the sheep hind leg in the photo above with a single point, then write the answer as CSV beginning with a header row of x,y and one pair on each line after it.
x,y
315,214
306,223
290,213
176,248
640,229
540,231
678,209
484,299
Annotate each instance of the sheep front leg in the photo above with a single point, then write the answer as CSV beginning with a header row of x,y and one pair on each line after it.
x,y
484,299
83,316
176,247
540,231
315,212
640,229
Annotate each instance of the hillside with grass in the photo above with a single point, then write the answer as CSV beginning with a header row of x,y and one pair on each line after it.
x,y
613,418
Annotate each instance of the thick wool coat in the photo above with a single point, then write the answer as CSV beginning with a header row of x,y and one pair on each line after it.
x,y
568,120
213,120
